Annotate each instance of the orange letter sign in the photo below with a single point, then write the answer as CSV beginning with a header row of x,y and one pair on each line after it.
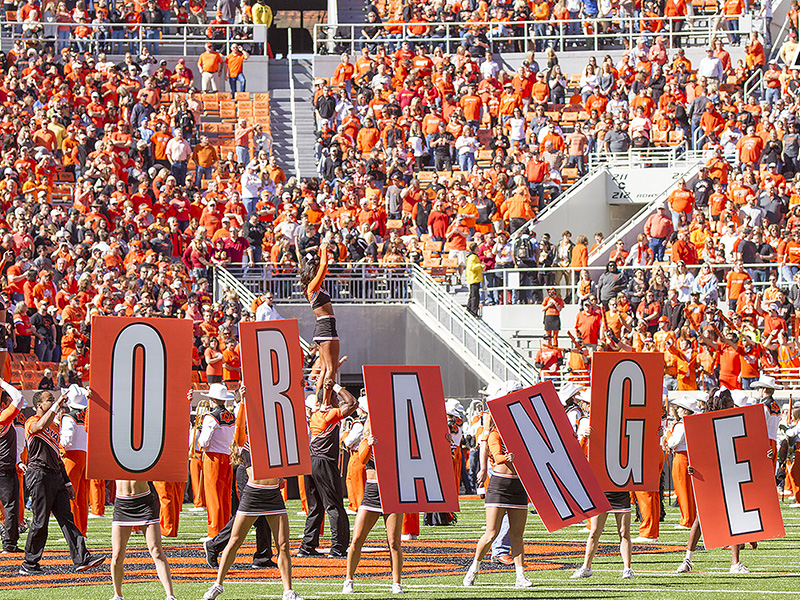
x,y
138,412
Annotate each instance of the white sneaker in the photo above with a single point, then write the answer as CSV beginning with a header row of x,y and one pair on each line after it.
x,y
397,588
291,595
117,598
522,582
198,509
627,573
644,540
581,573
469,578
739,569
408,537
686,566
681,527
214,591
347,587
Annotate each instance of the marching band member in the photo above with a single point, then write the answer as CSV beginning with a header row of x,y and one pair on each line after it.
x,y
170,500
324,485
354,481
260,498
74,440
650,502
12,401
312,275
50,489
136,505
504,496
620,506
368,513
262,557
718,399
767,386
680,462
215,441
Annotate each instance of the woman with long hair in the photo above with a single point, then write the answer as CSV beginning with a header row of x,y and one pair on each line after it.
x,y
504,496
367,516
312,274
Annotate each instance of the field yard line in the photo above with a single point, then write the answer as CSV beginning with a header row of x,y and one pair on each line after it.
x,y
621,587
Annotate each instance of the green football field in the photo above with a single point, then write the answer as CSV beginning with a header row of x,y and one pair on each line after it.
x,y
435,565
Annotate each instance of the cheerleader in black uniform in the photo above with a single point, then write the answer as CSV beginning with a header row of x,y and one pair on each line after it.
x,y
504,495
367,516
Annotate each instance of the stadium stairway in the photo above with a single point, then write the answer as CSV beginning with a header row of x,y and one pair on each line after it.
x,y
284,138
351,11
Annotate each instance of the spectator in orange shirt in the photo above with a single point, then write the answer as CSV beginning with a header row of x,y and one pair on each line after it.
x,y
343,74
680,201
234,66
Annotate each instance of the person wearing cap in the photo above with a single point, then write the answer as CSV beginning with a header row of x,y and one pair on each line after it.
x,y
506,500
11,403
209,62
50,488
368,513
215,440
74,441
234,68
260,500
676,443
767,385
324,485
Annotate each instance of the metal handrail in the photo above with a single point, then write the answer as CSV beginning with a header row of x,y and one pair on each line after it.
x,y
185,39
699,27
472,334
658,156
292,105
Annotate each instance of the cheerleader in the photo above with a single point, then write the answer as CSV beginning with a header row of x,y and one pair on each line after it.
x,y
136,505
260,498
620,507
683,406
367,516
719,399
504,496
312,275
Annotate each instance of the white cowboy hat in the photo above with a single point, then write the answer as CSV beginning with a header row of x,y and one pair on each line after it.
x,y
498,390
585,395
568,391
311,401
741,398
766,381
453,408
219,391
76,397
363,404
687,403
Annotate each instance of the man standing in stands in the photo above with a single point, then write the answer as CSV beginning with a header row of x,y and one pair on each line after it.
x,y
234,65
209,64
658,228
324,485
50,489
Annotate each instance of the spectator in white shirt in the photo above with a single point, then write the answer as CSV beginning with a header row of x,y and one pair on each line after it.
x,y
266,311
178,152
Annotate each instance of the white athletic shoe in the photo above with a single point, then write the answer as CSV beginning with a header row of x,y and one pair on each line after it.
x,y
522,582
686,566
681,527
214,591
117,598
739,569
347,587
581,573
469,578
627,573
408,537
397,588
644,540
198,509
291,595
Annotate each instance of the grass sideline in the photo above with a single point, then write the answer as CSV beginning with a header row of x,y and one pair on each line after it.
x,y
775,567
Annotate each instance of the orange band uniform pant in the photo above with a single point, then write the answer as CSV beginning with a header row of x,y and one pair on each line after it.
x,y
196,473
650,507
75,465
457,466
217,481
356,480
97,496
170,499
411,524
683,488
793,475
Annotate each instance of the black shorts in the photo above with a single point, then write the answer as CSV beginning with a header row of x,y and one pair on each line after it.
x,y
261,501
506,492
137,511
372,497
620,501
325,329
552,323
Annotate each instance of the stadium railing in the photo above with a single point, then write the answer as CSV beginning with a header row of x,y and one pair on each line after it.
x,y
179,39
694,30
635,158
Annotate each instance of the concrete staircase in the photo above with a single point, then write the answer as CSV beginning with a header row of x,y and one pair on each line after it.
x,y
281,115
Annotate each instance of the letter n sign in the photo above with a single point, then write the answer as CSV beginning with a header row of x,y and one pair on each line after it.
x,y
138,422
412,453
272,370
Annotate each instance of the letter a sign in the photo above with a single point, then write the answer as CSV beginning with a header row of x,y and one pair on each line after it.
x,y
626,413
412,450
272,370
734,482
138,412
547,457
